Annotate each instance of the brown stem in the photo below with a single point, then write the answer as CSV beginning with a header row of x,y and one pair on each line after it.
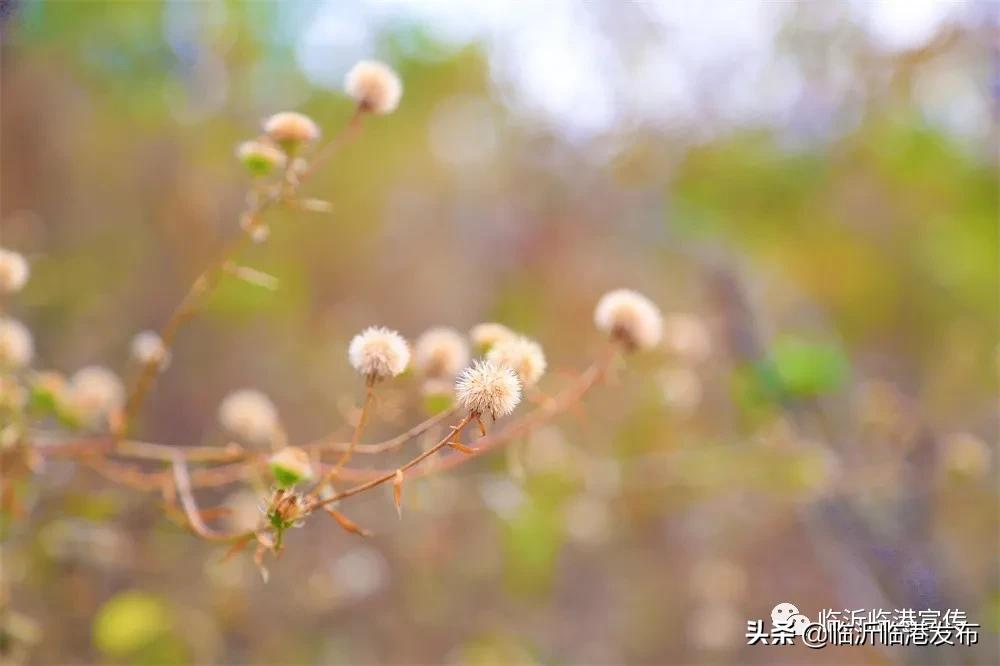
x,y
209,277
455,431
348,134
183,483
355,437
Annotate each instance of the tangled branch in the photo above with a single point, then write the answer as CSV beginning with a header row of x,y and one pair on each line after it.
x,y
95,402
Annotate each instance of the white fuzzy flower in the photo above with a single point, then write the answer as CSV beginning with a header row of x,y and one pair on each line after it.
x,y
16,345
14,271
522,355
249,414
629,317
148,349
488,388
95,394
484,336
374,86
290,128
440,352
378,352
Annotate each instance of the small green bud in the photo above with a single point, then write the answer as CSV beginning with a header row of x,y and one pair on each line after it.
x,y
290,465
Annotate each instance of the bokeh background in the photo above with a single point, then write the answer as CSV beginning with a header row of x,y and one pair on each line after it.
x,y
808,190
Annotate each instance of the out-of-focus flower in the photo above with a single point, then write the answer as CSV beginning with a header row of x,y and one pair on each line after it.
x,y
681,389
374,86
484,336
629,317
715,579
522,355
13,396
148,349
260,158
588,519
687,336
717,627
290,130
502,495
16,345
95,394
249,414
440,352
360,572
14,271
378,352
290,465
965,454
487,388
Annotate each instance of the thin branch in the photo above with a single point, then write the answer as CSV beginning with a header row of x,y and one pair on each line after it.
x,y
210,276
389,476
183,483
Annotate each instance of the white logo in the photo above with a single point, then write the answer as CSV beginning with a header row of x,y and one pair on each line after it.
x,y
901,626
786,617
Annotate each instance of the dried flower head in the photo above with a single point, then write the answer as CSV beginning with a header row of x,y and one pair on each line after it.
x,y
440,352
16,345
629,317
260,158
965,454
378,352
522,355
148,349
249,414
488,388
484,336
374,86
290,129
96,394
14,271
290,465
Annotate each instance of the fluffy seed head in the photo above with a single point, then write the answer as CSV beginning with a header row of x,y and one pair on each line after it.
x,y
289,129
484,336
488,388
374,86
290,465
95,394
260,158
440,352
629,317
522,355
148,349
16,345
14,271
378,352
249,414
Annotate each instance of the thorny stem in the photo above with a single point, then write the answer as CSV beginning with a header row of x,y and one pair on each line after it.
x,y
456,430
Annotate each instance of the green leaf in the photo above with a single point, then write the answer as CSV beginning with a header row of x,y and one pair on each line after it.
x,y
806,369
